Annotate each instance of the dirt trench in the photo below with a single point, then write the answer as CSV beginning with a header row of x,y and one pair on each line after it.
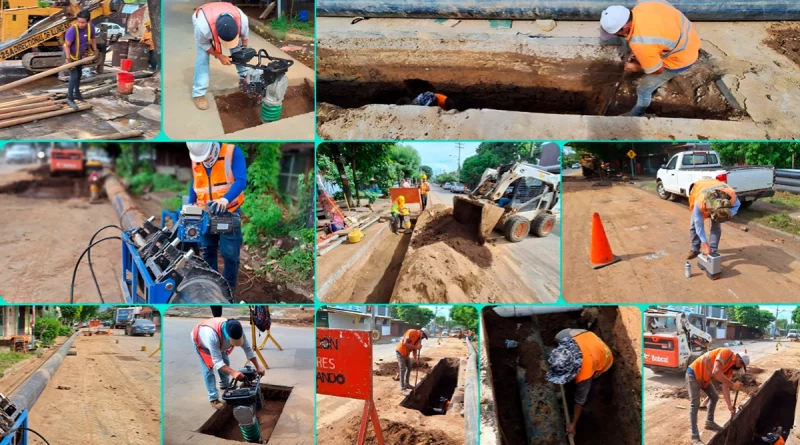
x,y
223,424
239,110
440,383
612,413
48,187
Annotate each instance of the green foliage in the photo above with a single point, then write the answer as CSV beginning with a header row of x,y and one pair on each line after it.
x,y
415,315
474,166
372,196
446,177
370,160
71,313
64,331
105,315
9,359
265,220
172,204
427,170
406,161
778,154
796,315
286,24
89,313
784,199
46,329
441,320
753,317
510,152
263,168
296,264
465,316
158,182
781,323
781,221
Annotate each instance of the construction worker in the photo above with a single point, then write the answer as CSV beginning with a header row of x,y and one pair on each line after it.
x,y
218,182
718,363
580,357
424,189
774,438
710,199
217,25
410,343
397,213
95,185
79,42
429,99
214,340
405,183
147,39
663,42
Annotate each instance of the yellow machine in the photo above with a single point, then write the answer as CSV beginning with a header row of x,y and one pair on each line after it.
x,y
35,34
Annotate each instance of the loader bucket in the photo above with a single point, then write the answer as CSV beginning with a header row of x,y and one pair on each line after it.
x,y
481,215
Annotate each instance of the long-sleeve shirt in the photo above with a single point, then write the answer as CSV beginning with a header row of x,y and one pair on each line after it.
x,y
216,347
239,167
202,32
698,219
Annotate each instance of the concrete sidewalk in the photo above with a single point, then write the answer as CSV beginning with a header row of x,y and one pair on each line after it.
x,y
182,120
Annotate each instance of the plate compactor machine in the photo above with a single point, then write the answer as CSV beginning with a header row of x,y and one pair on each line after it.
x,y
267,80
246,399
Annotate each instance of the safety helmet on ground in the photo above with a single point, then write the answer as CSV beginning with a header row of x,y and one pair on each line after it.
x,y
228,31
565,362
612,20
199,151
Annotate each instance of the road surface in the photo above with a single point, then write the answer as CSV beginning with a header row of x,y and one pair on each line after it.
x,y
535,260
186,405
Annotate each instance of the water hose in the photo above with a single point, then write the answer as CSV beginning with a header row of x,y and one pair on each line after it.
x,y
270,113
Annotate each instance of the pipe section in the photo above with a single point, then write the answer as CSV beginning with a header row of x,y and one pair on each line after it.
x,y
25,396
130,217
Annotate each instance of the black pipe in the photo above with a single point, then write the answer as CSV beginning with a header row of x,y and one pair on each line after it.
x,y
26,394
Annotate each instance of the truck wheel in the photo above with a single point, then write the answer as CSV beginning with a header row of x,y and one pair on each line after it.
x,y
516,228
746,204
543,224
662,192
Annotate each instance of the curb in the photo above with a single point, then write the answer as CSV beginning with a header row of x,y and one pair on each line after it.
x,y
776,232
261,28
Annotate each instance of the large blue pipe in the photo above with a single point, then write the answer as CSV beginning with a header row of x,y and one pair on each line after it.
x,y
699,10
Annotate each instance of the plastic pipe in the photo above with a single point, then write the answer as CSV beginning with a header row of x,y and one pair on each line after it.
x,y
527,311
29,391
130,217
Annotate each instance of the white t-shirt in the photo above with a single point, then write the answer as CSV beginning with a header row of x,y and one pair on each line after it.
x,y
210,341
202,32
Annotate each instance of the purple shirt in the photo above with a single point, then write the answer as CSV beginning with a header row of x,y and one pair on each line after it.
x,y
83,37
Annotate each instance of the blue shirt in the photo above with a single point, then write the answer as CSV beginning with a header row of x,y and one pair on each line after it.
x,y
697,218
239,167
83,39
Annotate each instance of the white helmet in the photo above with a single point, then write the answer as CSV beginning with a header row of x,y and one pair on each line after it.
x,y
612,20
199,151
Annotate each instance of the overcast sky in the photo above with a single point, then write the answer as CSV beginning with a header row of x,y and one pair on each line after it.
x,y
443,155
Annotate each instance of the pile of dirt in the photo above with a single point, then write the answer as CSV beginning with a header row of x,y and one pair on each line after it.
x,y
392,368
680,392
784,37
397,433
444,228
238,111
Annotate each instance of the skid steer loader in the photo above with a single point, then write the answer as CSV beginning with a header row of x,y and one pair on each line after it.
x,y
517,199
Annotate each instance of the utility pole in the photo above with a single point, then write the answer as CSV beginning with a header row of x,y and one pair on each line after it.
x,y
459,146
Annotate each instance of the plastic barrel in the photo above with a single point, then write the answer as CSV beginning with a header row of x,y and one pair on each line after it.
x,y
125,82
119,52
126,64
140,55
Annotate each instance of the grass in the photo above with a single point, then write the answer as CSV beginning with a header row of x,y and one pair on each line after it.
x,y
780,221
287,24
8,359
650,186
784,199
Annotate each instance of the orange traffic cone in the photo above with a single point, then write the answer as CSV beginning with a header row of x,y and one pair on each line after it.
x,y
600,255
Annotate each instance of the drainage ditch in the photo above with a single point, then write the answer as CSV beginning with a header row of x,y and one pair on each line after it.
x,y
48,188
771,407
529,409
222,424
435,390
239,110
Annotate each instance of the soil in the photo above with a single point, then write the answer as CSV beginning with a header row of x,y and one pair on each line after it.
x,y
228,428
398,433
376,279
264,291
103,371
440,383
17,374
299,100
392,368
784,37
444,228
653,256
240,110
301,51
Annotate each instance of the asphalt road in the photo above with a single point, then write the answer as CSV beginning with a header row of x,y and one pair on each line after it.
x,y
540,258
186,405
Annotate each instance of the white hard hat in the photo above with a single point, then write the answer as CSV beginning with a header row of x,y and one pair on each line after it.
x,y
199,151
745,359
612,20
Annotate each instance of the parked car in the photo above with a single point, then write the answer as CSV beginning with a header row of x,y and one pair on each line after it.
x,y
20,154
576,166
455,333
141,326
792,333
447,185
98,155
458,188
677,177
444,333
107,323
113,29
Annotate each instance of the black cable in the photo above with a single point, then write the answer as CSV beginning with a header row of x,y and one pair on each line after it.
x,y
77,263
89,259
29,430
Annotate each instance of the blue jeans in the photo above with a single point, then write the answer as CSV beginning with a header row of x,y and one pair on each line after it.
x,y
210,379
713,239
647,86
228,245
201,71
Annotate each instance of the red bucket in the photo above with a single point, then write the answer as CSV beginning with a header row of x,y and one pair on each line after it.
x,y
126,64
125,82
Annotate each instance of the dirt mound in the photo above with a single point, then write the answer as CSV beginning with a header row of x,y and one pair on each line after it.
x,y
397,433
680,392
785,39
392,368
444,228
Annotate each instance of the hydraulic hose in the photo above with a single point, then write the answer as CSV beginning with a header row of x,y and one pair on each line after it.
x,y
89,259
77,263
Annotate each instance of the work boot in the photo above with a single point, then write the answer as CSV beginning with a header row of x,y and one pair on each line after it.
x,y
72,104
200,102
692,254
79,97
409,387
217,405
713,426
696,440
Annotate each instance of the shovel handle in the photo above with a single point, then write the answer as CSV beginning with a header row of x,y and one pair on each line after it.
x,y
571,437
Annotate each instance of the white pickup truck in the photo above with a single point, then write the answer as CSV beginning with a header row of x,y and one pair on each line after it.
x,y
684,169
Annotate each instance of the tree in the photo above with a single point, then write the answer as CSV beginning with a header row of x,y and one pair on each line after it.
x,y
359,162
796,315
427,170
753,317
473,167
441,320
87,312
465,316
415,315
406,160
781,323
446,177
70,314
778,154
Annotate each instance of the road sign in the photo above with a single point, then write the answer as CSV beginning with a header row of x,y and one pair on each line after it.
x,y
631,154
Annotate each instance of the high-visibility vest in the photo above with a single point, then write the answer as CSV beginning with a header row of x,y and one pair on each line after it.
x,y
424,188
77,42
214,186
440,100
411,334
212,11
661,36
216,325
699,189
703,366
597,357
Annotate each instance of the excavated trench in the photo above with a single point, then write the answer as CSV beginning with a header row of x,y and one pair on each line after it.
x,y
529,408
773,406
582,82
48,188
222,424
440,383
239,110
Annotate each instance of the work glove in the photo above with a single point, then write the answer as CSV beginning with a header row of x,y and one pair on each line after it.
x,y
218,207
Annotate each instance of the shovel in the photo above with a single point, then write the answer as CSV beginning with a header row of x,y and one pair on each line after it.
x,y
735,397
416,376
571,437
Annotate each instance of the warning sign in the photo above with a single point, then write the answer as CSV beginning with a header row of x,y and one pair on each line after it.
x,y
631,154
344,363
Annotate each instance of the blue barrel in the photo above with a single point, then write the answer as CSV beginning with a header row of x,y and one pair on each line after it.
x,y
302,16
699,10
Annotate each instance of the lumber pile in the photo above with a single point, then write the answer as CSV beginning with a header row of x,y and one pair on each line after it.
x,y
26,109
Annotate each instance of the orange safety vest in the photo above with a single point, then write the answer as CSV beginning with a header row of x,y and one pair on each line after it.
x,y
212,187
212,11
779,441
424,188
597,357
699,188
411,334
440,100
77,41
216,325
661,36
703,366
